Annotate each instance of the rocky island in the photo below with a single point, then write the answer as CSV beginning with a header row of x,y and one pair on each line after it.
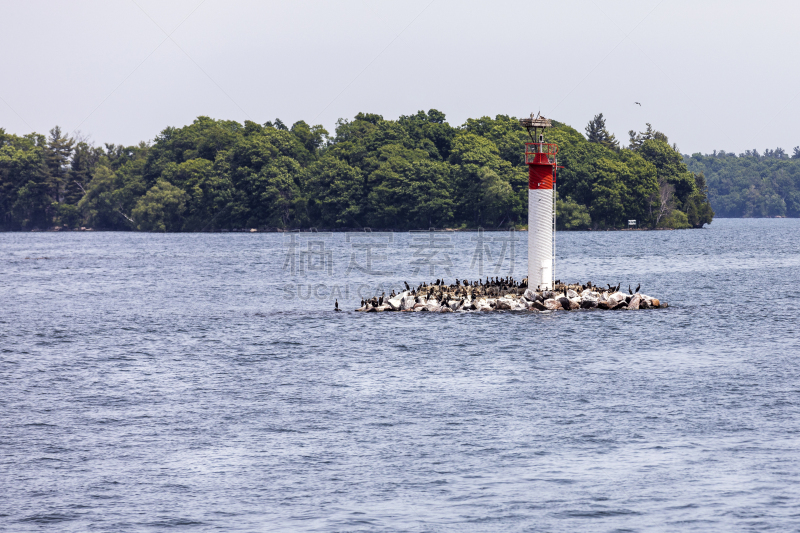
x,y
508,295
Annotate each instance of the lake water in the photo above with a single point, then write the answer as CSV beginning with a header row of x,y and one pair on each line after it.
x,y
202,382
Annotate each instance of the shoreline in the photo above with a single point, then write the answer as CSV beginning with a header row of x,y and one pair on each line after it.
x,y
332,230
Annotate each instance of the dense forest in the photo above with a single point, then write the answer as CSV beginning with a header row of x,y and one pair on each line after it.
x,y
751,184
411,173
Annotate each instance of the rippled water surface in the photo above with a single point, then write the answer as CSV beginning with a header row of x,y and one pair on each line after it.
x,y
203,382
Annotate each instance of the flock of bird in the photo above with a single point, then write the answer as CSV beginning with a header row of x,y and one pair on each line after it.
x,y
492,287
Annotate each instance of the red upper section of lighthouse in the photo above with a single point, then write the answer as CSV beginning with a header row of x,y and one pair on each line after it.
x,y
541,161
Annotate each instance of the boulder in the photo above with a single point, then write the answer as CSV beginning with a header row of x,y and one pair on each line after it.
x,y
503,305
635,301
445,310
616,298
539,306
603,305
588,304
655,303
530,295
552,304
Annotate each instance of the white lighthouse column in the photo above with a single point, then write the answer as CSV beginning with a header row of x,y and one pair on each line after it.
x,y
540,238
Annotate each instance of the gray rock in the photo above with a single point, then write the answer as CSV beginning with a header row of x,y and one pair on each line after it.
x,y
539,306
552,304
615,299
503,305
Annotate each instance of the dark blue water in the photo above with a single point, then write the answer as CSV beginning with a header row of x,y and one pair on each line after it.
x,y
192,382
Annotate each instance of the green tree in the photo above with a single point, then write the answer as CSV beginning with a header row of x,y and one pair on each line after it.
x,y
57,155
670,168
608,192
161,208
570,215
637,139
84,160
596,132
24,199
334,191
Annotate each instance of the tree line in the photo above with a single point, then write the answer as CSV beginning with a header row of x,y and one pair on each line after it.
x,y
415,172
751,184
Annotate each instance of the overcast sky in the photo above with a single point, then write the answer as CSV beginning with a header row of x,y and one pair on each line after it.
x,y
710,74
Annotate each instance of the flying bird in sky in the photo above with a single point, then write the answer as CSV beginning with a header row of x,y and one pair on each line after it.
x,y
637,103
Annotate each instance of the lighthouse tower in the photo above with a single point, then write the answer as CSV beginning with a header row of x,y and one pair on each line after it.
x,y
541,160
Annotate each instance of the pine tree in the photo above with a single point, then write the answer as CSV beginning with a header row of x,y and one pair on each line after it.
x,y
636,139
57,157
596,132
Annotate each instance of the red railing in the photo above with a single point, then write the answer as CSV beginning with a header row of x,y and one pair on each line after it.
x,y
535,152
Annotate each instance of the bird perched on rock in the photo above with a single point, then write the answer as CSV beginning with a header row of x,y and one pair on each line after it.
x,y
336,305
639,286
629,290
407,287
